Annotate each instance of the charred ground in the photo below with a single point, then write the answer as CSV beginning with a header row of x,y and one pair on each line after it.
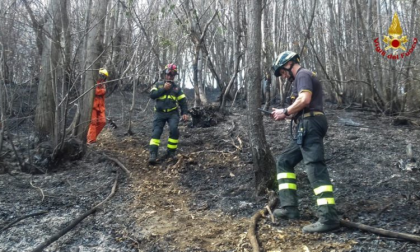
x,y
204,201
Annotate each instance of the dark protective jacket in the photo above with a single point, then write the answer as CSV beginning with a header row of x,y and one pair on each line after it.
x,y
169,100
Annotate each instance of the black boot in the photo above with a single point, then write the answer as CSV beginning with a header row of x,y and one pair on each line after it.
x,y
170,154
319,227
328,220
152,158
288,213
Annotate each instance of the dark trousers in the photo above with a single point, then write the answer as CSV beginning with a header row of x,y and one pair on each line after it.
x,y
311,151
160,119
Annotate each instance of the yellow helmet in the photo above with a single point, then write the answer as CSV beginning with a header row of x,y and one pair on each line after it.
x,y
103,71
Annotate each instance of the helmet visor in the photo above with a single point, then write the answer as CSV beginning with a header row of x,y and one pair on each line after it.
x,y
170,72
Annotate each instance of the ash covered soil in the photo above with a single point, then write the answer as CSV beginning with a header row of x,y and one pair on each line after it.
x,y
205,201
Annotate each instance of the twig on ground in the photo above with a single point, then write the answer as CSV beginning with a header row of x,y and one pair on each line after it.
x,y
254,220
357,126
119,164
380,231
233,144
402,248
212,151
230,130
22,218
383,209
79,219
388,179
271,214
179,163
39,188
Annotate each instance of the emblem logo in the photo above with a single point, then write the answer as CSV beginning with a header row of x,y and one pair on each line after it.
x,y
395,31
395,40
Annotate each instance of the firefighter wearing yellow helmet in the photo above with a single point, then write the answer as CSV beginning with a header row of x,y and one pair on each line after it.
x,y
98,118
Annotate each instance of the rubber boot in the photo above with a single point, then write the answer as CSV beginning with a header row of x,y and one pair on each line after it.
x,y
152,157
287,213
328,220
319,227
171,154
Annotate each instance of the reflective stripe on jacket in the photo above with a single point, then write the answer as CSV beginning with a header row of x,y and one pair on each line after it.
x,y
168,100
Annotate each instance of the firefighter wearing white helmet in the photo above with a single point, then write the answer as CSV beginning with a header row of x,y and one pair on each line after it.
x,y
307,145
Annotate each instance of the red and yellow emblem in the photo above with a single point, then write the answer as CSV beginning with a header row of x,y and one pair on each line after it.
x,y
395,40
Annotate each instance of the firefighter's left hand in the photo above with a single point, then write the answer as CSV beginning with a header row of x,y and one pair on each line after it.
x,y
278,114
184,118
167,86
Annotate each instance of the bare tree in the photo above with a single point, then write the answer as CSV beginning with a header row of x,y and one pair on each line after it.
x,y
197,35
49,36
94,51
263,161
237,54
2,94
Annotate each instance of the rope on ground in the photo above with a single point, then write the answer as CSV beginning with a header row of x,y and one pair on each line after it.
x,y
79,219
380,231
254,221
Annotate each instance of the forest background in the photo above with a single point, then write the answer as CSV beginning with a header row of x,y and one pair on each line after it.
x,y
51,51
56,48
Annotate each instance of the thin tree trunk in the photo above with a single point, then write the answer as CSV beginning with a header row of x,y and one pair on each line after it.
x,y
197,97
2,94
46,99
263,161
201,86
93,62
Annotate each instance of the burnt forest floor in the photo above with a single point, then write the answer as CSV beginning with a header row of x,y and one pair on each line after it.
x,y
204,202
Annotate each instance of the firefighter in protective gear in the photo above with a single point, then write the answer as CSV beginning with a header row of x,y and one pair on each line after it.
x,y
169,97
98,119
307,145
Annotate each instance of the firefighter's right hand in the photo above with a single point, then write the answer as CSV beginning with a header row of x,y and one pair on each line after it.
x,y
167,85
278,114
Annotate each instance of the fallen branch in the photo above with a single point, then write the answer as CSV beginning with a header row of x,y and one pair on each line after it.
x,y
388,179
380,231
22,218
239,148
212,151
179,163
271,214
254,220
39,188
383,209
79,219
358,126
119,164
